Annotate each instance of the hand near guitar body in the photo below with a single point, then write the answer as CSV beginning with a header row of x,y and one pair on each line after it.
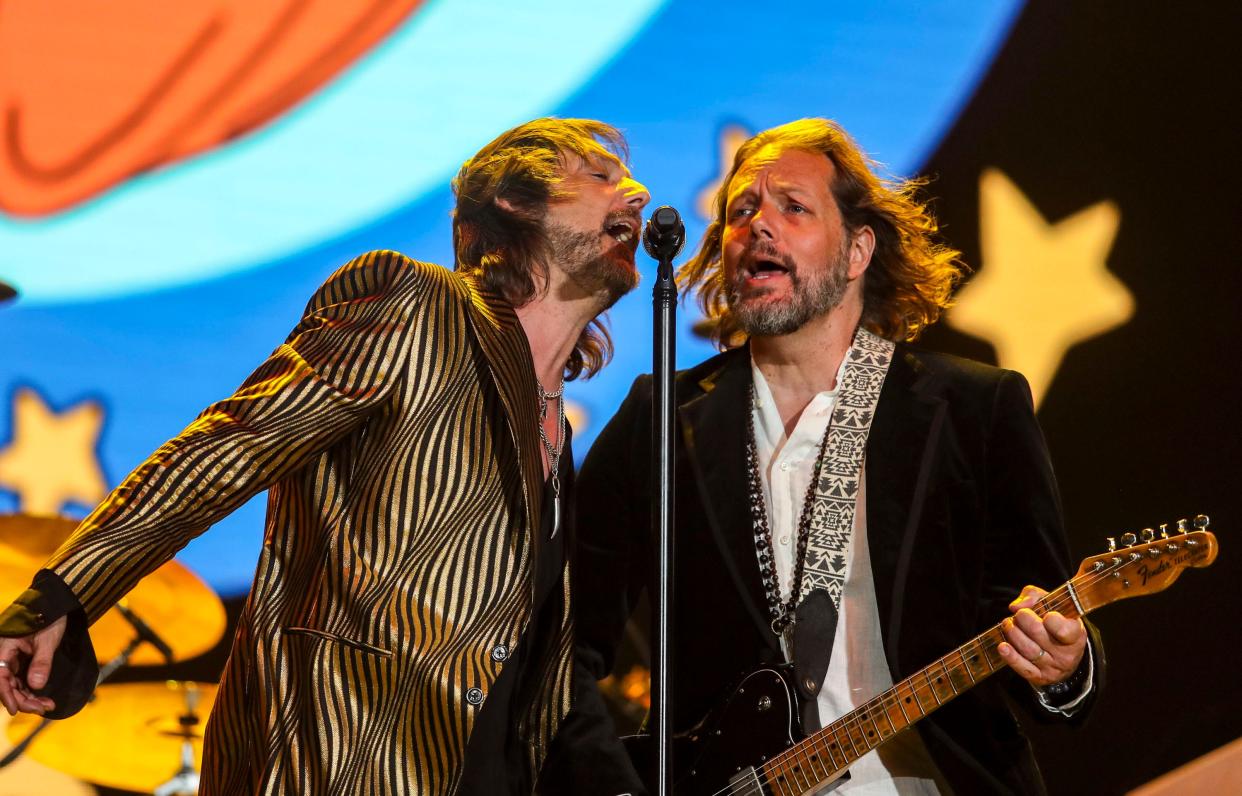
x,y
1042,650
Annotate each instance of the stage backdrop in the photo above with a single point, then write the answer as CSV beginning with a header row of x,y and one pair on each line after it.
x,y
175,180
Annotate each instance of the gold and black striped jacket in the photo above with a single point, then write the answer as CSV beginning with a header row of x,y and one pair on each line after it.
x,y
396,432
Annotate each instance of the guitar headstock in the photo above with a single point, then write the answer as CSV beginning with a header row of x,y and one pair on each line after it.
x,y
1144,563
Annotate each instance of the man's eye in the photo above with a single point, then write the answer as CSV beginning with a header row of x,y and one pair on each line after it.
x,y
738,212
599,175
794,207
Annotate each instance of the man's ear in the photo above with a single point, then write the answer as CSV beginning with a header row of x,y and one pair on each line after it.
x,y
862,246
507,206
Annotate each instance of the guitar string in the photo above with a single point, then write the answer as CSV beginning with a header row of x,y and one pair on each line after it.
x,y
854,721
1058,599
853,725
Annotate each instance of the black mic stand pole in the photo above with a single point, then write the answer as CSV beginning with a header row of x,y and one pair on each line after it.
x,y
663,239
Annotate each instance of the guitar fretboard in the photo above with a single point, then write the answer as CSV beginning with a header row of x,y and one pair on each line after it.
x,y
824,754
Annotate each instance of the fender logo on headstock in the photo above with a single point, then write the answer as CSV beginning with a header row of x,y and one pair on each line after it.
x,y
1165,565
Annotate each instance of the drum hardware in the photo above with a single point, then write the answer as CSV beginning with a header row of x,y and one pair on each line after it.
x,y
170,615
142,635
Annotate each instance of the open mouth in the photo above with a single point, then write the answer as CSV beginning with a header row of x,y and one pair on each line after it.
x,y
765,268
625,231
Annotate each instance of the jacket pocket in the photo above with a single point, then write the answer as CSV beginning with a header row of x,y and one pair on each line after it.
x,y
361,646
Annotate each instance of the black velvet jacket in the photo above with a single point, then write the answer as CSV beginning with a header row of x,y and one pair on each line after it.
x,y
962,511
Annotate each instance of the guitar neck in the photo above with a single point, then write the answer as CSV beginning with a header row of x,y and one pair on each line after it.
x,y
831,750
1133,571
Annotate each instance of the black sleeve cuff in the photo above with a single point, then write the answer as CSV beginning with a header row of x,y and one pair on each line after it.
x,y
74,669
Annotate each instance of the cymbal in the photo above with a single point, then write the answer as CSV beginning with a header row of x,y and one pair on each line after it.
x,y
28,777
172,600
129,736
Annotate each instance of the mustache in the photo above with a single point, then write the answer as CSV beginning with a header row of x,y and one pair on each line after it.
x,y
762,250
617,216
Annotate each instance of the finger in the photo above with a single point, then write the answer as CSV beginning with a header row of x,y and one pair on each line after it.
x,y
1032,626
40,667
1029,645
1027,598
29,703
1063,631
7,697
43,648
1016,661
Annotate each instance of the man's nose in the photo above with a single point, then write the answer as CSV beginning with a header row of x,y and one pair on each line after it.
x,y
635,193
760,226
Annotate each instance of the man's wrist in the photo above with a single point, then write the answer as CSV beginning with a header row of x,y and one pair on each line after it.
x,y
1066,690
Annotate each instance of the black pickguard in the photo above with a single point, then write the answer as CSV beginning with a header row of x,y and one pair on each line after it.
x,y
759,719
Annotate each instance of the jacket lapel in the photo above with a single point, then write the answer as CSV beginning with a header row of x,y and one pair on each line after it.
x,y
900,451
508,355
714,430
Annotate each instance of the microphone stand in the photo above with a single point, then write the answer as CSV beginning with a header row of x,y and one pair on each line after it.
x,y
663,239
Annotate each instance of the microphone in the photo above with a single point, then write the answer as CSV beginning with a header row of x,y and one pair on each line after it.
x,y
7,292
664,234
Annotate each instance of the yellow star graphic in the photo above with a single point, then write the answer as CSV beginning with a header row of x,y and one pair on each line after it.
x,y
51,459
731,138
1043,287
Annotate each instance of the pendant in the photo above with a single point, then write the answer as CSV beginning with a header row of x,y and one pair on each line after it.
x,y
556,514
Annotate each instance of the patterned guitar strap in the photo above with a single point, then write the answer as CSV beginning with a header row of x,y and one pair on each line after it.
x,y
832,516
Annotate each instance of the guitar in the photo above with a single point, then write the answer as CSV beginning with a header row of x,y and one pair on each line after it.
x,y
752,744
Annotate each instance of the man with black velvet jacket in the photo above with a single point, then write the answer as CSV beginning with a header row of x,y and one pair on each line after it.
x,y
845,502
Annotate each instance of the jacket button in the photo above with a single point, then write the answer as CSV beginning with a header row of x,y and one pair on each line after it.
x,y
475,696
500,653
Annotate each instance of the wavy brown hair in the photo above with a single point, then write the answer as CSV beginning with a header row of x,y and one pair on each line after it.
x,y
911,276
507,249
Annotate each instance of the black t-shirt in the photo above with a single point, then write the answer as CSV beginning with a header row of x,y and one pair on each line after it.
x,y
495,758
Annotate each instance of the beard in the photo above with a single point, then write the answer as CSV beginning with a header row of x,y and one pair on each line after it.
x,y
590,269
809,298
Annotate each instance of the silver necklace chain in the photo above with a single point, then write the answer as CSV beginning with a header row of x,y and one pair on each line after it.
x,y
554,452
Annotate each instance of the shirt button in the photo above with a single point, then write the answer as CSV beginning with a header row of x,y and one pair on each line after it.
x,y
784,540
500,653
475,696
785,466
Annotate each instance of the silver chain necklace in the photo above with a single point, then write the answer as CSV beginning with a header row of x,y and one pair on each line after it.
x,y
554,453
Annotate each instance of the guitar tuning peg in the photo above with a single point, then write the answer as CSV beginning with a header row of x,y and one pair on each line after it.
x,y
1201,522
1112,544
1164,530
1181,526
1147,534
1128,539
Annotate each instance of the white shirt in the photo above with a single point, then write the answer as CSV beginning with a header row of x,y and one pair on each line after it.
x,y
859,669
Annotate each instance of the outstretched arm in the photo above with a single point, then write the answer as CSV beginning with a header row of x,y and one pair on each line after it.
x,y
336,366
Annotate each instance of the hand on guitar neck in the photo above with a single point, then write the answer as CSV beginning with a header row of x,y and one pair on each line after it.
x,y
1042,650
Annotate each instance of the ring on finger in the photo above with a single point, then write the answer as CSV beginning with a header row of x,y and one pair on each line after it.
x,y
1042,653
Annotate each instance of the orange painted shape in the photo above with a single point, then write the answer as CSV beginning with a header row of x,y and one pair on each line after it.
x,y
94,93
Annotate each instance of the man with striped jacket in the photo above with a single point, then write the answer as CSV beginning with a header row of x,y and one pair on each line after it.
x,y
408,629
